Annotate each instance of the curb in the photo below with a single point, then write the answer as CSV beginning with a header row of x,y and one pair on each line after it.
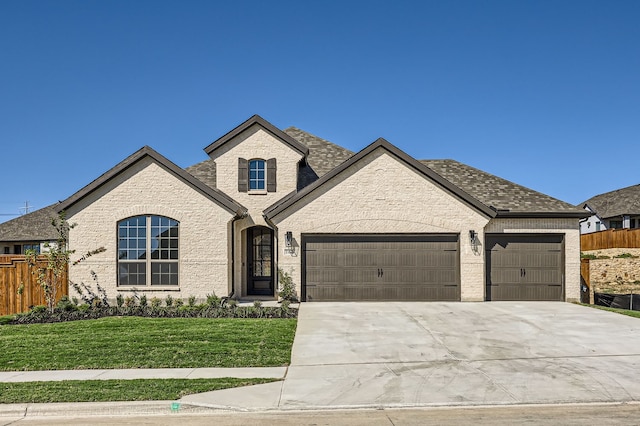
x,y
90,409
163,408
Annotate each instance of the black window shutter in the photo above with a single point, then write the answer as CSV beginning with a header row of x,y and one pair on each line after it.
x,y
271,175
243,175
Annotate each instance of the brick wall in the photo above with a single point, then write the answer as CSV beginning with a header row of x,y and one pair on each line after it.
x,y
148,189
382,195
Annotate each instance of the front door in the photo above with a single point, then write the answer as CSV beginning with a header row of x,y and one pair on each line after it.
x,y
259,261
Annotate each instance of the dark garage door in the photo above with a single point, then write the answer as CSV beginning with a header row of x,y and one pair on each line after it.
x,y
525,267
374,267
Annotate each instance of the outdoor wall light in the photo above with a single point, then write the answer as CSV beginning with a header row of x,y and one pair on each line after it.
x,y
472,236
288,239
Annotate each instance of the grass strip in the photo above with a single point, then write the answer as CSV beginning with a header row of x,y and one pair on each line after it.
x,y
635,314
115,390
135,342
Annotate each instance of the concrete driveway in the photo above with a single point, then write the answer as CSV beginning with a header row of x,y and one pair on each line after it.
x,y
426,354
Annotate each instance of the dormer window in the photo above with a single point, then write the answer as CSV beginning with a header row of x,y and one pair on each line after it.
x,y
257,176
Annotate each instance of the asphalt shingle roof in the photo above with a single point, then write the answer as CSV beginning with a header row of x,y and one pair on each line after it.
x,y
624,201
495,192
204,171
34,226
323,156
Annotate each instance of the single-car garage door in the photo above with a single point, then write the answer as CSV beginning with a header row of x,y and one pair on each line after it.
x,y
381,267
525,267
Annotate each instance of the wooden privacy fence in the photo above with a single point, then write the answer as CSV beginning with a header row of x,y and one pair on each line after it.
x,y
585,280
14,273
611,238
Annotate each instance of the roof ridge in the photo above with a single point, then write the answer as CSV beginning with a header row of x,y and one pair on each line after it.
x,y
316,137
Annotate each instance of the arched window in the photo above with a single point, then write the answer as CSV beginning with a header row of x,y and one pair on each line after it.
x,y
257,175
148,251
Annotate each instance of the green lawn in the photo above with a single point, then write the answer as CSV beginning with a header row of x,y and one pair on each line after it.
x,y
635,314
114,390
134,342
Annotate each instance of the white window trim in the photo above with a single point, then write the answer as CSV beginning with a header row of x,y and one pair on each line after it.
x,y
264,179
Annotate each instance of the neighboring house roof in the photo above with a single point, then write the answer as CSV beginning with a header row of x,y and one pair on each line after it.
x,y
624,201
218,196
256,119
34,226
381,143
507,198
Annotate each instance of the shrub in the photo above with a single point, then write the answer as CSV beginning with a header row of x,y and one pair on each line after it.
x,y
192,301
230,309
287,289
143,301
64,304
119,300
213,300
168,301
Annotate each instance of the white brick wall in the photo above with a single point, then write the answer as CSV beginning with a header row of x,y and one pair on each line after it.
x,y
382,195
148,189
255,142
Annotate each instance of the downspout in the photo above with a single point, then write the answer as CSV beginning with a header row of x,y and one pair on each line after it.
x,y
276,252
233,253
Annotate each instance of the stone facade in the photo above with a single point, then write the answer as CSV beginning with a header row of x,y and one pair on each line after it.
x,y
611,274
148,189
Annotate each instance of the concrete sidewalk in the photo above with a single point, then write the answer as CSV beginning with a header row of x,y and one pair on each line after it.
x,y
150,373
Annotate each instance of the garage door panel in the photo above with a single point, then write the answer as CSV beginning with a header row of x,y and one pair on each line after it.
x,y
416,267
524,267
543,276
358,275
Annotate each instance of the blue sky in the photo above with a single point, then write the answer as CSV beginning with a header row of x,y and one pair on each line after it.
x,y
543,93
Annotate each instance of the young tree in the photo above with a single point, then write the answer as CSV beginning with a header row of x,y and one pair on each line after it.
x,y
51,274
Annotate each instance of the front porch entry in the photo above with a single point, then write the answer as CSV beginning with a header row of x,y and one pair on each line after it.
x,y
260,261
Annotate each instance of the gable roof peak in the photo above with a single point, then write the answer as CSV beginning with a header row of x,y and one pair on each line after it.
x,y
401,156
256,119
146,151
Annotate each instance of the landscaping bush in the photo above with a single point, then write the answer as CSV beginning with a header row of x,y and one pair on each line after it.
x,y
69,311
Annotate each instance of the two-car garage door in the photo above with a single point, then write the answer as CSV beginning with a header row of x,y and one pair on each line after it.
x,y
350,267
